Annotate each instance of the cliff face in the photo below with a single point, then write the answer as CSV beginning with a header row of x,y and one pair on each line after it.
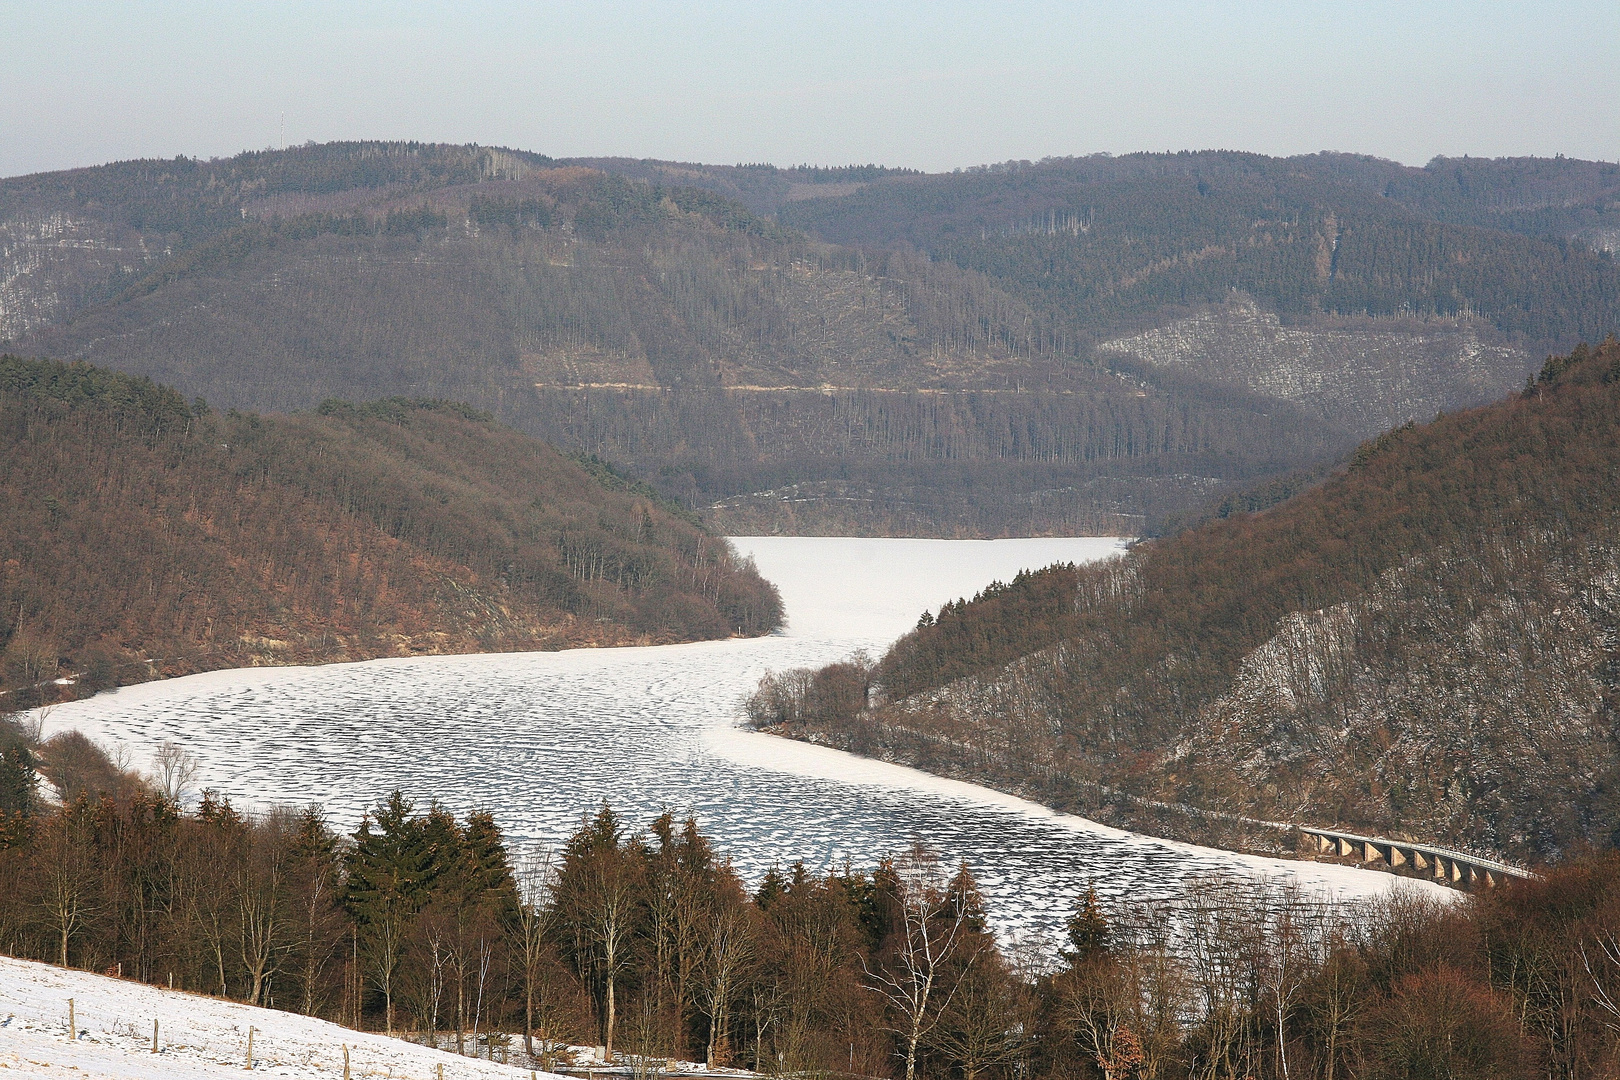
x,y
1427,644
1465,696
53,262
1366,375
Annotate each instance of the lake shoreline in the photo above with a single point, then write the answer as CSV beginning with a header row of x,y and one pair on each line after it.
x,y
541,738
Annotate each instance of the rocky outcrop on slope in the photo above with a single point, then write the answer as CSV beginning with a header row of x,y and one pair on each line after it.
x,y
1428,644
1368,374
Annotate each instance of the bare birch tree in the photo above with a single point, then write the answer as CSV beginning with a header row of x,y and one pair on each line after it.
x,y
728,956
599,888
1293,953
931,922
261,891
610,922
536,914
68,897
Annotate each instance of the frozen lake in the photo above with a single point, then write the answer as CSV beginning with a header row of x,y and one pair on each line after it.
x,y
542,738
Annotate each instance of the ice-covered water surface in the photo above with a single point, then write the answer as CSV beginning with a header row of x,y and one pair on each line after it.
x,y
542,738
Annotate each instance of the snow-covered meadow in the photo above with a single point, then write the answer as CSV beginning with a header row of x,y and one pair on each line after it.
x,y
198,1037
542,738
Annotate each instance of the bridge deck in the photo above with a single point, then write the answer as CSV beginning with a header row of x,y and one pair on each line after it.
x,y
1463,866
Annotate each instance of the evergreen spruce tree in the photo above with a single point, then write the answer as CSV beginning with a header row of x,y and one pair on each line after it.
x,y
18,797
695,853
963,894
389,872
1087,930
485,858
771,888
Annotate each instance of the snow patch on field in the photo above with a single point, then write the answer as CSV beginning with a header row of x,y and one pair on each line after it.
x,y
198,1037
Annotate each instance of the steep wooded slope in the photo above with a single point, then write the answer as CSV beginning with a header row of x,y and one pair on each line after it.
x,y
1427,643
1109,244
137,531
767,379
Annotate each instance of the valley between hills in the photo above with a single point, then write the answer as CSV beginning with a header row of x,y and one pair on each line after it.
x,y
1001,351
412,466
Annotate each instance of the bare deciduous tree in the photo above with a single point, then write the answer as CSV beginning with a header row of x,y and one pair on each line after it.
x,y
980,1030
68,897
610,923
600,891
931,922
173,770
1295,941
1096,1003
536,914
261,891
727,957
320,924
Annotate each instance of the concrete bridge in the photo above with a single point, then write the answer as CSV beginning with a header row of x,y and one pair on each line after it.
x,y
1454,868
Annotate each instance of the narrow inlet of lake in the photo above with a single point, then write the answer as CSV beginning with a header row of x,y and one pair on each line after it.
x,y
542,738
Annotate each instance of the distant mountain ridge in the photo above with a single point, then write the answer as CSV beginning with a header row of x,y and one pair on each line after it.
x,y
140,534
1547,198
1114,241
1428,644
859,350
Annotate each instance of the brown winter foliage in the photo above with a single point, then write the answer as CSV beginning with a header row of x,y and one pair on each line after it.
x,y
140,535
1426,643
421,924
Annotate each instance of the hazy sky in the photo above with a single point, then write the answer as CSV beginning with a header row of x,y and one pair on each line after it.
x,y
930,85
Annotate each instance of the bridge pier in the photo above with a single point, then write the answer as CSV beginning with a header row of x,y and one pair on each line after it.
x,y
1453,868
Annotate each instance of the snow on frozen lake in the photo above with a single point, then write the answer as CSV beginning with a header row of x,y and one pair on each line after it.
x,y
542,738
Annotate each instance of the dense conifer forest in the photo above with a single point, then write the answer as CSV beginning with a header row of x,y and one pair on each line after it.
x,y
1548,198
422,924
1110,241
141,535
1424,644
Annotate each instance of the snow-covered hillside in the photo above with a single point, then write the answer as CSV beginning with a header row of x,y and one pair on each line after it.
x,y
197,1037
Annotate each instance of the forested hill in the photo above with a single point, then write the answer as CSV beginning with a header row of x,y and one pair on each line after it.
x,y
142,535
1073,347
1111,243
1548,198
1427,644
